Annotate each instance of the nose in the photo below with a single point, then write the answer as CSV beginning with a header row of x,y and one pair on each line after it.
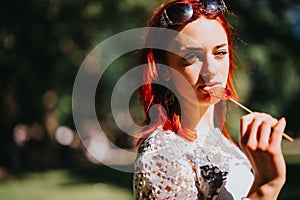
x,y
208,70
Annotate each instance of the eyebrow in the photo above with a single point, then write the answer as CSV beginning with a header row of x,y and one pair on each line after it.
x,y
201,49
194,48
219,46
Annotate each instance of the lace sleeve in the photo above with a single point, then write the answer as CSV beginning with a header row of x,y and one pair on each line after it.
x,y
160,178
161,172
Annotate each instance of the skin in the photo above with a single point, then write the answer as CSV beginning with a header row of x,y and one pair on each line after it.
x,y
261,137
203,61
205,64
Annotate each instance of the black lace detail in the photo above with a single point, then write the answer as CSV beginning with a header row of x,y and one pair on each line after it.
x,y
214,177
144,146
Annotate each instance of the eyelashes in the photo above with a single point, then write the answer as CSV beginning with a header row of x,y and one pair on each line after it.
x,y
194,57
220,54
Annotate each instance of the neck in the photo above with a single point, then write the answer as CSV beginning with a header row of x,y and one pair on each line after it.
x,y
206,121
201,120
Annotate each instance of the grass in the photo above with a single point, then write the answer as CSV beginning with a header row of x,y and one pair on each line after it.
x,y
68,185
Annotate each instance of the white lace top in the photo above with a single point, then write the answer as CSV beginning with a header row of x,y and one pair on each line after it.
x,y
169,167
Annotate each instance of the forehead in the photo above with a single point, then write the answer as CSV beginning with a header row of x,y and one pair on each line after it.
x,y
205,33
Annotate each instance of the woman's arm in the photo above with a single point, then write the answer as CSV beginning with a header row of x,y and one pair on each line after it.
x,y
261,137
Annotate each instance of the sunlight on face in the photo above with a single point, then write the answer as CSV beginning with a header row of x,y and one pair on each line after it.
x,y
203,62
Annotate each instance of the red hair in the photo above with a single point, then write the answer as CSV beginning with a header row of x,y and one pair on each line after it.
x,y
151,94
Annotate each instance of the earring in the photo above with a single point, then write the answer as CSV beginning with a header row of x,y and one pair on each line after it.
x,y
169,98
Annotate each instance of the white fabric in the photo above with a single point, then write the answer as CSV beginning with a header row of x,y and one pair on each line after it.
x,y
168,167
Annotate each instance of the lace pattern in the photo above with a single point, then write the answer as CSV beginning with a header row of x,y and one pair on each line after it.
x,y
168,167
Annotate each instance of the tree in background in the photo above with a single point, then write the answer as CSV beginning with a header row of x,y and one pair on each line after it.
x,y
43,43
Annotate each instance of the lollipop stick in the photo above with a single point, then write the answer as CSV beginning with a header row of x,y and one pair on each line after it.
x,y
249,111
240,105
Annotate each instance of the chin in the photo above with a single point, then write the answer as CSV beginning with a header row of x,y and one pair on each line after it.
x,y
208,101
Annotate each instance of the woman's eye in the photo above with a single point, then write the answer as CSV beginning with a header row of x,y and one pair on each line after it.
x,y
220,53
190,57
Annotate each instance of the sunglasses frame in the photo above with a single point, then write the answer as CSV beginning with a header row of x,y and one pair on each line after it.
x,y
203,5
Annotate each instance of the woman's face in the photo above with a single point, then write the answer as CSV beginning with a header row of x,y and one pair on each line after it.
x,y
203,62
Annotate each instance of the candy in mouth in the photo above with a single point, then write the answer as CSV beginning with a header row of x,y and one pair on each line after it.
x,y
220,93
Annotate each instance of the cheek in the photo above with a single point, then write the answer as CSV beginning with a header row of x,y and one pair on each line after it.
x,y
183,80
190,73
223,71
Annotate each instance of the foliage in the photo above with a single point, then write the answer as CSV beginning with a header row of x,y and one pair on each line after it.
x,y
43,43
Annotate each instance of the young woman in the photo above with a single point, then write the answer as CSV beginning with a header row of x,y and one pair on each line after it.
x,y
191,158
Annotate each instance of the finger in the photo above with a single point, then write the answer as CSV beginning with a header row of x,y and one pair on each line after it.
x,y
254,134
246,132
245,121
245,126
251,128
277,132
264,133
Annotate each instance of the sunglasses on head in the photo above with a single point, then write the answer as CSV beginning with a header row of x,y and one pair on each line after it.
x,y
180,13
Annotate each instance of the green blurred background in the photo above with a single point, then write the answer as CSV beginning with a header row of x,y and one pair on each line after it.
x,y
42,45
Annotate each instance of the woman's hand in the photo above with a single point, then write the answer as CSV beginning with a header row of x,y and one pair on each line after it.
x,y
261,137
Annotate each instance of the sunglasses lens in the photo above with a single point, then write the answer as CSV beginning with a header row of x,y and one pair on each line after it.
x,y
213,6
179,13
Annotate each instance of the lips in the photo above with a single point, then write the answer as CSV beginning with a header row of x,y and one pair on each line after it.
x,y
207,86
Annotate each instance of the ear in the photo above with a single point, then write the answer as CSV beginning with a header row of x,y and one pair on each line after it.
x,y
164,73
